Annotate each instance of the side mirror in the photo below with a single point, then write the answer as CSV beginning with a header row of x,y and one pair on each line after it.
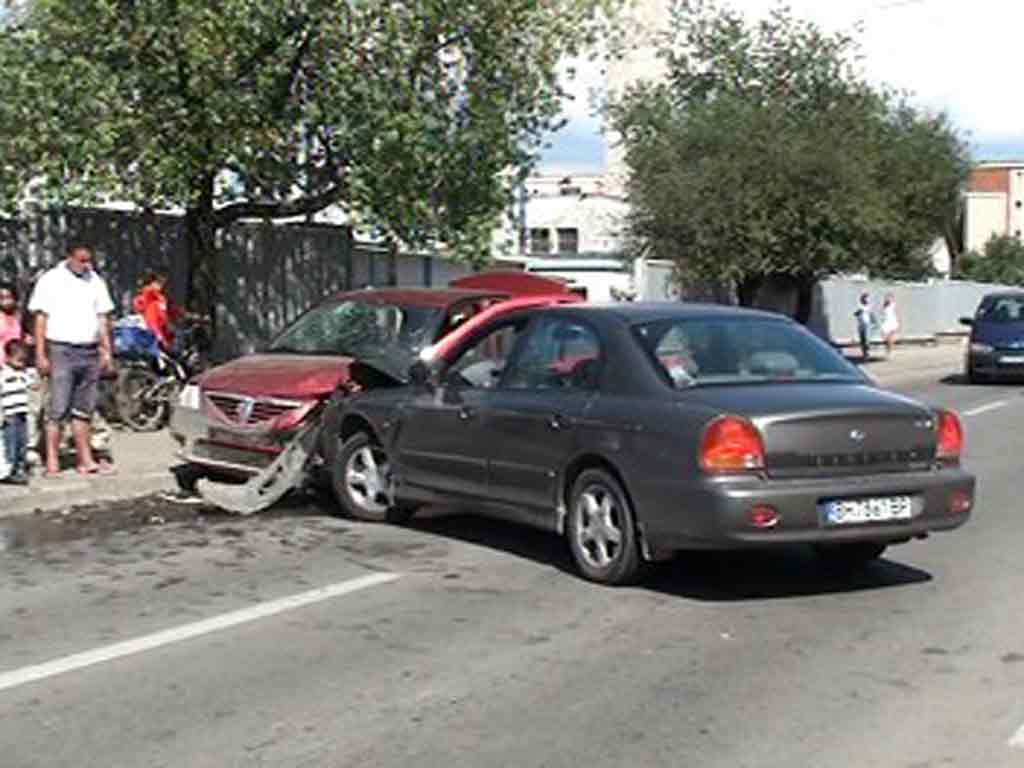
x,y
419,374
968,321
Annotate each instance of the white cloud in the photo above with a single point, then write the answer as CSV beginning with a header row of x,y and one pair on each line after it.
x,y
957,56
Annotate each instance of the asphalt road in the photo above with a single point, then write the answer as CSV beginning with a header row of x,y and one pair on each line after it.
x,y
171,644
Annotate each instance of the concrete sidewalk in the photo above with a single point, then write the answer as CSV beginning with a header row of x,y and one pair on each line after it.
x,y
912,362
144,460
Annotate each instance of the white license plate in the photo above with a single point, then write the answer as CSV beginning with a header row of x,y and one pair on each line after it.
x,y
1012,359
878,510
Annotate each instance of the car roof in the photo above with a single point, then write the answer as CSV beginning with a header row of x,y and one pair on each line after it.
x,y
455,339
1009,294
649,312
416,297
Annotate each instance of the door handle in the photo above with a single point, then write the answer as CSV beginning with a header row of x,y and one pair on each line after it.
x,y
466,413
555,421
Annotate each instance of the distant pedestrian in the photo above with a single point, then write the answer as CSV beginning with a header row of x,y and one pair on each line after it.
x,y
72,330
890,323
865,320
10,317
14,389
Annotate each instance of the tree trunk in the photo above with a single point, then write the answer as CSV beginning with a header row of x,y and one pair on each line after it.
x,y
201,265
747,290
805,286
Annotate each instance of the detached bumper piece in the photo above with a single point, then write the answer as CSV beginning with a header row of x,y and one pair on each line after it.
x,y
284,473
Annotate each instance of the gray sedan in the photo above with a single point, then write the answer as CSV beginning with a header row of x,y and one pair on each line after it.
x,y
637,431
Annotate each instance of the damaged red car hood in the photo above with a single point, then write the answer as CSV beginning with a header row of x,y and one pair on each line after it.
x,y
285,376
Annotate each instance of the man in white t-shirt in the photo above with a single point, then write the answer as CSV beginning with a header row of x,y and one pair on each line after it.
x,y
72,329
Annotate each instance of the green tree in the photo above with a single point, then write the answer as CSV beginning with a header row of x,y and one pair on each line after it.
x,y
1001,261
406,114
764,155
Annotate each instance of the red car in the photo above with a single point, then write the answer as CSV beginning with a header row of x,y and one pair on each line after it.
x,y
236,418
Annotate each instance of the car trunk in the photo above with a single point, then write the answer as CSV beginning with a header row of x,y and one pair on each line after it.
x,y
825,430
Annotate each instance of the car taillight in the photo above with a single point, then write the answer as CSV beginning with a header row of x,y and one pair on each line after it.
x,y
950,437
731,444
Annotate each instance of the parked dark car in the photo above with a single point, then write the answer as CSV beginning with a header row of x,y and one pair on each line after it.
x,y
996,344
640,430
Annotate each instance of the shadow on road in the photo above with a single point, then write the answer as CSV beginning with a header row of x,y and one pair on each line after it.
x,y
778,573
711,576
960,380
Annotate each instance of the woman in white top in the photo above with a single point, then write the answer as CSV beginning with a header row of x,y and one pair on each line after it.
x,y
890,323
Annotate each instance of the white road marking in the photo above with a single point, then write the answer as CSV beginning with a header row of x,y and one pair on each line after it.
x,y
1017,740
16,677
986,408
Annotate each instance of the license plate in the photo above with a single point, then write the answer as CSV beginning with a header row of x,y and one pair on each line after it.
x,y
1012,359
239,439
877,510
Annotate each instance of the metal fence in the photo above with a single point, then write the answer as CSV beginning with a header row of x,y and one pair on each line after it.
x,y
269,273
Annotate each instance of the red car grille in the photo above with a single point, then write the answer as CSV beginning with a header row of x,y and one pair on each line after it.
x,y
249,411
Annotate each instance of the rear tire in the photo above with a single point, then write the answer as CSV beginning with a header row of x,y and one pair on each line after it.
x,y
361,479
850,556
601,530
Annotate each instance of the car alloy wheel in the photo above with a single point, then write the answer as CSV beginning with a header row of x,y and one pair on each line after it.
x,y
602,535
361,479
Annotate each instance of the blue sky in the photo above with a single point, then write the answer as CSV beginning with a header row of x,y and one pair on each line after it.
x,y
951,57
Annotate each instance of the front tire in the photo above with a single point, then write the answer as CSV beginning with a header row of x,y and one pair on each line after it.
x,y
136,406
602,531
361,482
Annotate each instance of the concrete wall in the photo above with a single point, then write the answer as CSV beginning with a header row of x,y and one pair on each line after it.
x,y
926,310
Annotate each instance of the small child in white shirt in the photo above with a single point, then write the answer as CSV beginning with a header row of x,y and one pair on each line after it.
x,y
14,389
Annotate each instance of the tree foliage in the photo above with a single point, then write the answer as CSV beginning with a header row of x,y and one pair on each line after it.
x,y
1001,261
763,154
405,114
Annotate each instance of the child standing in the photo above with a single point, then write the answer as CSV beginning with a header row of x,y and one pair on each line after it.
x,y
14,386
156,308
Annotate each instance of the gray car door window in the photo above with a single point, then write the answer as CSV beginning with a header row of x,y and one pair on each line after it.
x,y
532,416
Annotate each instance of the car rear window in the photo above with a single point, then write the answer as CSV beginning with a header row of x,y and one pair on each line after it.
x,y
694,351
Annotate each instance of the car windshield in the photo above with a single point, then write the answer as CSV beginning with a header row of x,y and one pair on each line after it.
x,y
370,331
1002,309
695,351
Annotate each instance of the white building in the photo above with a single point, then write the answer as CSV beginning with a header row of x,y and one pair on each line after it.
x,y
643,21
569,227
994,203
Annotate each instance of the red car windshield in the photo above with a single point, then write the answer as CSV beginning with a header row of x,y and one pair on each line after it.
x,y
359,329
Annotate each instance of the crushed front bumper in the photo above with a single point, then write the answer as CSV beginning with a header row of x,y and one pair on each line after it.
x,y
233,452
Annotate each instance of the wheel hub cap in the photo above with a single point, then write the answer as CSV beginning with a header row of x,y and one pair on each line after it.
x,y
367,477
598,528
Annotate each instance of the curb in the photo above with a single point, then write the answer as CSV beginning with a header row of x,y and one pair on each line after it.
x,y
73,491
